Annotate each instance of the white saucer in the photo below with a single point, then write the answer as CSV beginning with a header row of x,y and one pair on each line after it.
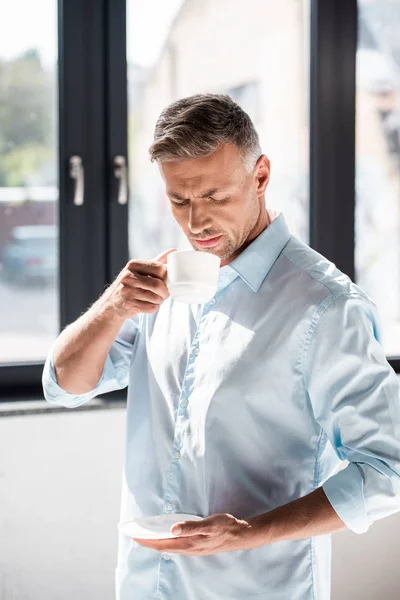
x,y
155,528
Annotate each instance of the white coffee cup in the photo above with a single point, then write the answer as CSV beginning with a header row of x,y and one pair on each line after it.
x,y
192,276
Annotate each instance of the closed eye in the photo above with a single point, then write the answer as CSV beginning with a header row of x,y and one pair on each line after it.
x,y
221,201
184,202
175,203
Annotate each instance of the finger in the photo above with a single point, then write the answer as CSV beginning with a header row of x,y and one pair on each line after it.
x,y
170,544
146,307
140,295
190,528
162,258
152,284
147,267
151,544
154,267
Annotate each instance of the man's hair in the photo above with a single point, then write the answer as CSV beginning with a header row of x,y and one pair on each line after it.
x,y
197,125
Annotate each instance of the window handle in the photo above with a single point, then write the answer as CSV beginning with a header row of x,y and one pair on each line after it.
x,y
77,172
121,173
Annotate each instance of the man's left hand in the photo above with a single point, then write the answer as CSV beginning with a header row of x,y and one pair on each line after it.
x,y
218,533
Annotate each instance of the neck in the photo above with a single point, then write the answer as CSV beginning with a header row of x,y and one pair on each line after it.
x,y
262,223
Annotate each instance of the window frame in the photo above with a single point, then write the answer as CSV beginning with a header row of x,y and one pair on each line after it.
x,y
334,37
91,124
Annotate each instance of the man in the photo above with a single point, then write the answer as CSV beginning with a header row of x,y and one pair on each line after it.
x,y
240,410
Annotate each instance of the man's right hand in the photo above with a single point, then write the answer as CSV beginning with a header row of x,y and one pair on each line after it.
x,y
80,351
139,288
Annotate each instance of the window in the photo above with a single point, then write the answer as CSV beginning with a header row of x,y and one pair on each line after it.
x,y
174,50
29,318
377,234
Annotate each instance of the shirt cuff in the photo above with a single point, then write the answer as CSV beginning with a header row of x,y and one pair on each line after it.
x,y
54,394
344,491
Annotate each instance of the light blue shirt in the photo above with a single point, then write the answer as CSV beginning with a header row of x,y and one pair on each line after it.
x,y
244,404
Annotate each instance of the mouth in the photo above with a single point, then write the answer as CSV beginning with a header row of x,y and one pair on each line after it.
x,y
210,242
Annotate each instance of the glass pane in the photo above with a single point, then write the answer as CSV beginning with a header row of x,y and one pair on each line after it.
x,y
377,234
28,180
179,48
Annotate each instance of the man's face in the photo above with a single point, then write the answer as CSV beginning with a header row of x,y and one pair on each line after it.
x,y
217,203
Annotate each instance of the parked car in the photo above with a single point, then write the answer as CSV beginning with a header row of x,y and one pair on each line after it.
x,y
31,255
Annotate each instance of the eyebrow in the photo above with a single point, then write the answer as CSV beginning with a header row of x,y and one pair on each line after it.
x,y
205,195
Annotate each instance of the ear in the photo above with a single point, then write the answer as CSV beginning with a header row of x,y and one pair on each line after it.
x,y
261,174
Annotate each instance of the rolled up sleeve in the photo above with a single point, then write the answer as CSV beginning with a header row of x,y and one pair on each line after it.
x,y
355,397
115,373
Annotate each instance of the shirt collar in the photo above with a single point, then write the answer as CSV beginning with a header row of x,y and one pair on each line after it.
x,y
255,262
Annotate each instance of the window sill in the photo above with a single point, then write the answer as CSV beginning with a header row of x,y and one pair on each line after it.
x,y
35,407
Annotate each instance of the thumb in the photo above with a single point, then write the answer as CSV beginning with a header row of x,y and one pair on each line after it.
x,y
162,258
190,528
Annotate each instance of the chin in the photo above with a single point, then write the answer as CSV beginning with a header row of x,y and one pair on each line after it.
x,y
223,255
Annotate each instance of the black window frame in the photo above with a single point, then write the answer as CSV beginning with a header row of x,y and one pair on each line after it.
x,y
92,100
334,37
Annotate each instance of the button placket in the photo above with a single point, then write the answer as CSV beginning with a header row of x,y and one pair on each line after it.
x,y
187,385
196,341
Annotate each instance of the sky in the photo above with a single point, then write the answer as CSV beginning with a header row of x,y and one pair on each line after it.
x,y
26,24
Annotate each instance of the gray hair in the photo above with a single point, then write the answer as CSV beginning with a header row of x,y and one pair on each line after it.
x,y
196,126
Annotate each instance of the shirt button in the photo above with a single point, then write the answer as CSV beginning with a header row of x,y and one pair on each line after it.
x,y
177,455
186,403
170,506
196,350
166,557
213,301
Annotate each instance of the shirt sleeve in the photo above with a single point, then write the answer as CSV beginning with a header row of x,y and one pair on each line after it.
x,y
355,396
115,373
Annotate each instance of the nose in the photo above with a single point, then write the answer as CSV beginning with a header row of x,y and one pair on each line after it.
x,y
199,219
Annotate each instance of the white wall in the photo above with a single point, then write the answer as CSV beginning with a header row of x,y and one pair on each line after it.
x,y
60,480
